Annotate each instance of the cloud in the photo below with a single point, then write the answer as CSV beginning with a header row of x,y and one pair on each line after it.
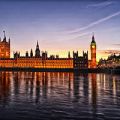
x,y
101,4
116,44
109,52
95,23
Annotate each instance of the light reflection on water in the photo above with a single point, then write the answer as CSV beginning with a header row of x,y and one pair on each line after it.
x,y
59,95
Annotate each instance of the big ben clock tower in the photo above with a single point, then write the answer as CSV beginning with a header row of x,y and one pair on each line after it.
x,y
93,52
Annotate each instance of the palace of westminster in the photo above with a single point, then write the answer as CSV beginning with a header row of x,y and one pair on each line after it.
x,y
41,60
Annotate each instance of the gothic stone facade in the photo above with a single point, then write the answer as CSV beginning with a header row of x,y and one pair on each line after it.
x,y
41,60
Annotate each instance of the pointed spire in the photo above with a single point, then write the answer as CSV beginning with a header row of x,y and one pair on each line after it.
x,y
77,52
0,39
37,44
9,40
4,34
37,51
4,39
83,52
27,54
31,53
69,54
93,39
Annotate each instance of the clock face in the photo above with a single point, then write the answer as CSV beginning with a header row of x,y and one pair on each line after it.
x,y
93,46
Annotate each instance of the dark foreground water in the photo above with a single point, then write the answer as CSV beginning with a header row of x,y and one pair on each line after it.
x,y
59,96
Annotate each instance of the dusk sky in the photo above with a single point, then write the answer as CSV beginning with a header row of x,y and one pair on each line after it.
x,y
61,26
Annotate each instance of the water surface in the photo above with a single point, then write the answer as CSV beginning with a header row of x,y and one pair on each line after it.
x,y
59,95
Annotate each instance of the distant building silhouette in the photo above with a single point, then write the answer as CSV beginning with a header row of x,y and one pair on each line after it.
x,y
113,61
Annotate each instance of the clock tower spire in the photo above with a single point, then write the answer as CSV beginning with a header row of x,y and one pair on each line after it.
x,y
93,52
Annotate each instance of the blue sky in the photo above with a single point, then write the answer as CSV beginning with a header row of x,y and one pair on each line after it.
x,y
61,26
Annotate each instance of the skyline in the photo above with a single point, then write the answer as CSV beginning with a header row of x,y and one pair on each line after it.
x,y
63,26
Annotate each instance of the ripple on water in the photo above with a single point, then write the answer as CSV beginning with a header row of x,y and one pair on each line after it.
x,y
59,96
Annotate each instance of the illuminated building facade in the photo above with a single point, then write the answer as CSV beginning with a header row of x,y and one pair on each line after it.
x,y
4,47
93,53
41,59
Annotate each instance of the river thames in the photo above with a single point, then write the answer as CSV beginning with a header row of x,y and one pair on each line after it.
x,y
59,95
